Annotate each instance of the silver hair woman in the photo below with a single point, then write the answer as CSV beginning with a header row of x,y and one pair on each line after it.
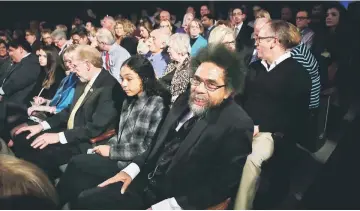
x,y
223,35
177,74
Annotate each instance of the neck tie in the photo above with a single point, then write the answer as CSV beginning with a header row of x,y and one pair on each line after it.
x,y
70,124
107,60
236,32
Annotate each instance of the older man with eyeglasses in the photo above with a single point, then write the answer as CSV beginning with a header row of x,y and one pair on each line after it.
x,y
277,95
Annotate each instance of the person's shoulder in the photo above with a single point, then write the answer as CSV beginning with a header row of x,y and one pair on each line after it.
x,y
235,116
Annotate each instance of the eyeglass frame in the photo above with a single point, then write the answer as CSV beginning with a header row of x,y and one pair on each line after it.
x,y
194,80
258,38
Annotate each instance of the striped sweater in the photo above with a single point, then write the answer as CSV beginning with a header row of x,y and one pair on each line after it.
x,y
303,55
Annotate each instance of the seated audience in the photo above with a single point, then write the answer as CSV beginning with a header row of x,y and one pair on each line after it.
x,y
93,111
113,55
46,37
223,35
208,21
79,36
5,60
64,94
188,17
124,33
59,39
195,29
180,169
166,25
24,186
21,76
31,38
145,27
242,31
177,74
277,96
18,33
302,22
142,113
159,59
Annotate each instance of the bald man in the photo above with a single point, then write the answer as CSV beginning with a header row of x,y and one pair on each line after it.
x,y
165,16
157,56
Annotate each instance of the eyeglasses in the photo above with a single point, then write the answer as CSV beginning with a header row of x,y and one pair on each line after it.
x,y
229,43
164,26
301,18
236,13
210,86
258,38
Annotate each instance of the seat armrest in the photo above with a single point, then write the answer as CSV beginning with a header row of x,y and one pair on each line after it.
x,y
103,136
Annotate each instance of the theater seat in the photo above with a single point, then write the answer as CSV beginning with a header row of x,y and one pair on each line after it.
x,y
103,137
222,206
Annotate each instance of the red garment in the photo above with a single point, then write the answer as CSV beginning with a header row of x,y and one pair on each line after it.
x,y
107,60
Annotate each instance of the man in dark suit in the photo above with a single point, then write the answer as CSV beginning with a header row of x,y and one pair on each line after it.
x,y
242,31
92,112
208,21
32,39
197,159
21,76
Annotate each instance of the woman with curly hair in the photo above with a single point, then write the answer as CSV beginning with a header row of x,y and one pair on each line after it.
x,y
124,33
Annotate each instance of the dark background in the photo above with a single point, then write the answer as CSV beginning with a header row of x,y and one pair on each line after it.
x,y
15,14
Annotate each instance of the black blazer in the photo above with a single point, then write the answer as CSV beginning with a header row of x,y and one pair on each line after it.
x,y
98,113
208,165
20,79
35,46
244,37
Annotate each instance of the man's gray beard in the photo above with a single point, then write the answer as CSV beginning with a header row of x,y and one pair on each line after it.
x,y
197,110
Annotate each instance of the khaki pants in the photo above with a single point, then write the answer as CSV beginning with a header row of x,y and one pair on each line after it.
x,y
4,149
262,150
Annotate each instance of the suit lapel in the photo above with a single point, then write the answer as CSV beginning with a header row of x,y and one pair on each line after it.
x,y
174,114
10,71
189,141
194,135
95,86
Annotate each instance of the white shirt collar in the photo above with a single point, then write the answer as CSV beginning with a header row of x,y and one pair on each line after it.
x,y
276,62
239,26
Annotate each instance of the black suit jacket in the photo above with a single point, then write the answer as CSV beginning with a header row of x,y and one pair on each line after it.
x,y
243,39
98,112
20,79
35,46
208,165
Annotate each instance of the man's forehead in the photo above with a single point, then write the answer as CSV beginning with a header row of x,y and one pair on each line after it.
x,y
209,71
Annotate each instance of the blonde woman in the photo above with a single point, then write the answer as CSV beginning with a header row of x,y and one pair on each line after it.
x,y
166,25
188,17
224,35
124,34
24,185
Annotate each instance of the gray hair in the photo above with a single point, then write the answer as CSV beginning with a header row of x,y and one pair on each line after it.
x,y
105,36
218,34
58,34
180,42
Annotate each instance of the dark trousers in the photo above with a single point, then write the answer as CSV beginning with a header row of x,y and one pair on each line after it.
x,y
78,185
84,172
48,159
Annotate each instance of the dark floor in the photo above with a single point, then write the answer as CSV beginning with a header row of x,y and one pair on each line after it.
x,y
337,186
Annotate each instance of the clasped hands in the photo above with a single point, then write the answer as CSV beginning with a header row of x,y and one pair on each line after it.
x,y
41,141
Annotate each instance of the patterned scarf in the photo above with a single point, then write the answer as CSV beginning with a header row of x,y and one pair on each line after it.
x,y
181,77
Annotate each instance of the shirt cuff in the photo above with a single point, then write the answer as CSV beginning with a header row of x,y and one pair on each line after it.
x,y
167,204
2,91
132,170
62,138
45,125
